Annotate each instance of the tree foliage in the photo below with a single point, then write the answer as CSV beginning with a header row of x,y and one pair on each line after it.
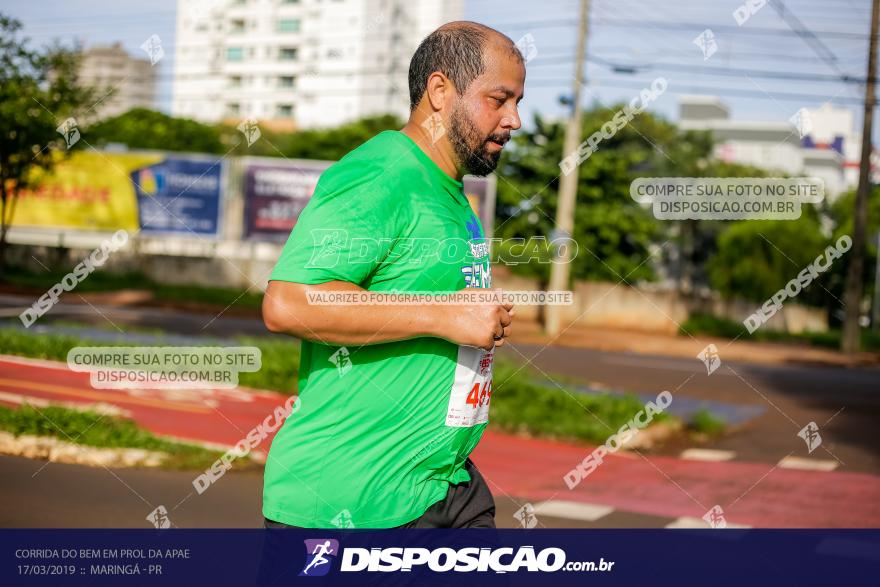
x,y
38,93
329,144
614,233
756,258
141,128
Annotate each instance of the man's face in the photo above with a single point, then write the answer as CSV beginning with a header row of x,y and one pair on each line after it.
x,y
484,116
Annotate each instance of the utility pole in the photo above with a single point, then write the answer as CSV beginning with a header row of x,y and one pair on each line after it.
x,y
852,295
875,313
561,265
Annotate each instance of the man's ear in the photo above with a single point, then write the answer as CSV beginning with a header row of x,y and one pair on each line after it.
x,y
438,89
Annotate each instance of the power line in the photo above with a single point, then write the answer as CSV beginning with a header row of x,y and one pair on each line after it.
x,y
557,60
815,44
716,91
728,71
698,26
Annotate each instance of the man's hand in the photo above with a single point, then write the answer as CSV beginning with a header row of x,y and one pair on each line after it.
x,y
479,325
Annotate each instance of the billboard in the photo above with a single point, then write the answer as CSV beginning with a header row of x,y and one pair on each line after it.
x,y
89,190
163,193
179,194
276,191
153,192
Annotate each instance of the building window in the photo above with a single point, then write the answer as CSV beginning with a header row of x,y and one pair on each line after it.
x,y
234,54
288,25
285,111
334,53
237,25
233,109
235,81
290,1
288,53
286,81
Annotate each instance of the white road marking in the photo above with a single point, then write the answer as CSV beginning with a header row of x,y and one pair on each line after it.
x,y
693,523
572,510
807,464
707,454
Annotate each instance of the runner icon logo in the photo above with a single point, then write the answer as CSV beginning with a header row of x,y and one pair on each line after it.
x,y
319,556
710,358
715,517
342,359
343,520
810,434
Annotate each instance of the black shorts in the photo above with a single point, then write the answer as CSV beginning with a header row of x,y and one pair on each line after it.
x,y
466,505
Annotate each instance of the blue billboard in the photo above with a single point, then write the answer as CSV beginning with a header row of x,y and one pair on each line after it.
x,y
180,194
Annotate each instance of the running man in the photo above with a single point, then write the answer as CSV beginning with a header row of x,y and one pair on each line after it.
x,y
395,398
319,552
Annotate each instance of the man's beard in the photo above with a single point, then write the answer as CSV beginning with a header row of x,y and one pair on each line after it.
x,y
470,146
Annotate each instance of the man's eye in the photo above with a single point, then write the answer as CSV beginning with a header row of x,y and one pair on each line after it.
x,y
499,100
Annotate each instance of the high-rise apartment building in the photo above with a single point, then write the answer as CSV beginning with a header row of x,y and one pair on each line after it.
x,y
122,81
299,63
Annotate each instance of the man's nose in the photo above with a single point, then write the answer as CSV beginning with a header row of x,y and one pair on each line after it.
x,y
511,121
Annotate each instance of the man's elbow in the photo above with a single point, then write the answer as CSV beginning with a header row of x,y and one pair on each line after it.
x,y
270,320
276,318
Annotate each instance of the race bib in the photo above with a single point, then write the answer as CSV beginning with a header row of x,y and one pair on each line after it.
x,y
471,388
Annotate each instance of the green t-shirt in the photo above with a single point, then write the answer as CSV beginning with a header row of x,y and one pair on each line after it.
x,y
383,429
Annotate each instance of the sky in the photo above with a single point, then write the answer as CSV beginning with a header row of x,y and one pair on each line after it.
x,y
765,69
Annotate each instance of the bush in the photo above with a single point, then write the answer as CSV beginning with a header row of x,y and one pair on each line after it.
x,y
102,281
713,326
705,422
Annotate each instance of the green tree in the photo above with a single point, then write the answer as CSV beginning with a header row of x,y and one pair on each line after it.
x,y
39,93
141,128
329,144
613,232
756,258
333,143
696,239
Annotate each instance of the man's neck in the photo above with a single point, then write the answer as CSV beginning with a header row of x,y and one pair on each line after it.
x,y
438,151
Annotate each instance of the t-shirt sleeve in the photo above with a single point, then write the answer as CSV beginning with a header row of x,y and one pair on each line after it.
x,y
344,232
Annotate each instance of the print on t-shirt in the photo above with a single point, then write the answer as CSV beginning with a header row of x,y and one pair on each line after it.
x,y
472,385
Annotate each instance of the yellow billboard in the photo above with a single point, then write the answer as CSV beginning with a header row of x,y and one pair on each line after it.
x,y
89,190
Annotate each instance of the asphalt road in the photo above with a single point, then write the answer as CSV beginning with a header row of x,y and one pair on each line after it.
x,y
844,403
38,494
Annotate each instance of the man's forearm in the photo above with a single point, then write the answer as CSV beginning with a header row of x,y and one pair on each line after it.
x,y
287,310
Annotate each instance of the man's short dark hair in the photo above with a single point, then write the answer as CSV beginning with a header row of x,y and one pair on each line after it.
x,y
456,50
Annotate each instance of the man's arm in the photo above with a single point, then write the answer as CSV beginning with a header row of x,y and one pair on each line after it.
x,y
286,309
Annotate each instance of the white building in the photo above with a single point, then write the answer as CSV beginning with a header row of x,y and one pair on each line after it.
x,y
818,142
123,82
299,63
